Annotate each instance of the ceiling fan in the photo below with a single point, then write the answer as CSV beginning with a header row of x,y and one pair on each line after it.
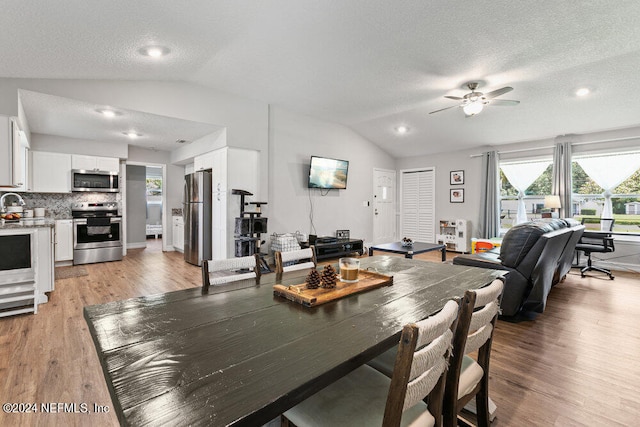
x,y
473,102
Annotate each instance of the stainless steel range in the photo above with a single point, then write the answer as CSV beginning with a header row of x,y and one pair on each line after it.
x,y
97,233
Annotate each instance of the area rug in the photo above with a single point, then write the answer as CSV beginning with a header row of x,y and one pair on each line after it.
x,y
70,271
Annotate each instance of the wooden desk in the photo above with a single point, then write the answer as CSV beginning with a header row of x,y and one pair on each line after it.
x,y
241,356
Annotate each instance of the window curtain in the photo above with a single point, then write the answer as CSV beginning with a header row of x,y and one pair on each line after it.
x,y
561,183
490,196
609,172
521,176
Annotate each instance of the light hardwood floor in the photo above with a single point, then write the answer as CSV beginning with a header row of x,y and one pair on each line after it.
x,y
573,366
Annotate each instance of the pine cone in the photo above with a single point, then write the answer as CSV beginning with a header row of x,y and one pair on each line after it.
x,y
313,279
329,277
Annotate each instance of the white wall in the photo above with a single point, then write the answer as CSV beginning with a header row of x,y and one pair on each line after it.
x,y
294,138
444,163
136,206
59,144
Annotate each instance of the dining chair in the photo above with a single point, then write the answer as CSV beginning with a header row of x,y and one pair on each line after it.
x,y
366,397
598,242
218,272
295,260
468,377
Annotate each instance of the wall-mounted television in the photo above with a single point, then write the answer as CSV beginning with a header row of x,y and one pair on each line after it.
x,y
328,173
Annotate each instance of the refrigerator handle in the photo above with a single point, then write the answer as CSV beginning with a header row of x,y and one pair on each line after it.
x,y
184,201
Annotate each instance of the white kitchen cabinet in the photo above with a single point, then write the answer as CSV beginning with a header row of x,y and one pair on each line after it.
x,y
13,149
44,263
111,164
178,233
51,172
64,240
203,162
219,172
219,227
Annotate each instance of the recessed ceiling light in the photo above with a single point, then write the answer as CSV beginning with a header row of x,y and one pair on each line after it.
x,y
154,51
583,91
132,134
402,129
108,112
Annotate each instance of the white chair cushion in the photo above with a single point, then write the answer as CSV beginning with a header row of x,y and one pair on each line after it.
x,y
302,266
224,277
358,399
470,375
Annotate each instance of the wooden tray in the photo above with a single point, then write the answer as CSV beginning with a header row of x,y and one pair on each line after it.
x,y
312,297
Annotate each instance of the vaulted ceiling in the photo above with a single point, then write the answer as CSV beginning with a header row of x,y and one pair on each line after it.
x,y
371,65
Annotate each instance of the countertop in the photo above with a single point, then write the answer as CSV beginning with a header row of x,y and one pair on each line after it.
x,y
27,223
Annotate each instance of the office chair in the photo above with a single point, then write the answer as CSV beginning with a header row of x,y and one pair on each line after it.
x,y
596,241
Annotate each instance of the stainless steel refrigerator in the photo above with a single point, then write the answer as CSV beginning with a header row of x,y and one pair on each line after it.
x,y
197,217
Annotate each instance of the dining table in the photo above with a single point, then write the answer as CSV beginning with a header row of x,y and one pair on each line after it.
x,y
239,355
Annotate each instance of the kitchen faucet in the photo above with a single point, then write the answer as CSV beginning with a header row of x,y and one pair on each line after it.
x,y
2,207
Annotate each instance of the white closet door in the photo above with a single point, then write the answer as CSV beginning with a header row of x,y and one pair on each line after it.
x,y
418,206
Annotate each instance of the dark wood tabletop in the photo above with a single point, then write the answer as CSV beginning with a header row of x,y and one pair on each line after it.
x,y
241,356
410,251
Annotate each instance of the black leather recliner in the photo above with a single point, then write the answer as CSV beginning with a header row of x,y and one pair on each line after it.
x,y
537,255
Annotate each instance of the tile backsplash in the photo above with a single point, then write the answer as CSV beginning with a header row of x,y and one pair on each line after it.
x,y
58,205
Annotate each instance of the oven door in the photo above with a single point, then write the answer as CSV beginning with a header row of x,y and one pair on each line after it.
x,y
89,233
16,256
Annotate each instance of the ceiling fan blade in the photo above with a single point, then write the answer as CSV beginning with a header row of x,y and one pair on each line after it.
x,y
498,92
455,98
442,109
503,102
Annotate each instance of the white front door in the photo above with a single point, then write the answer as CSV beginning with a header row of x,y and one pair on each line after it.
x,y
384,206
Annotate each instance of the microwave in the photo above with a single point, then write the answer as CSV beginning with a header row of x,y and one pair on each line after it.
x,y
94,180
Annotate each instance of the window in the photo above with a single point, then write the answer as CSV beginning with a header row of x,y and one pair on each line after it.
x,y
523,185
607,186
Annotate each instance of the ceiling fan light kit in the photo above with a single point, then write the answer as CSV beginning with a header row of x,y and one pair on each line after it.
x,y
473,102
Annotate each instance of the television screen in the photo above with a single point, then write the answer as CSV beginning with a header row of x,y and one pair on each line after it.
x,y
328,173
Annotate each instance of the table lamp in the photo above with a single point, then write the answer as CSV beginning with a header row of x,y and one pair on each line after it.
x,y
552,202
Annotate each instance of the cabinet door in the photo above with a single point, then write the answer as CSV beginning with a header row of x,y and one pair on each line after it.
x,y
219,229
203,162
64,240
12,169
178,233
51,172
83,162
219,171
110,164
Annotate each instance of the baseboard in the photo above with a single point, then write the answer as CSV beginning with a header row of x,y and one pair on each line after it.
x,y
618,266
136,245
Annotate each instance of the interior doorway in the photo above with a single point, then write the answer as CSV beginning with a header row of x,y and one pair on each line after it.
x,y
145,221
154,187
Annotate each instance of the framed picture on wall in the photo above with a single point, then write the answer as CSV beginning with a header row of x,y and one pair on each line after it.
x,y
456,195
457,177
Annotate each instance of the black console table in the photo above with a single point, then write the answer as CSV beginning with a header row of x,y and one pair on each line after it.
x,y
339,248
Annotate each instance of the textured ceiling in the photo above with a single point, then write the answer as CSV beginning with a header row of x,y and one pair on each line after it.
x,y
369,64
56,115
